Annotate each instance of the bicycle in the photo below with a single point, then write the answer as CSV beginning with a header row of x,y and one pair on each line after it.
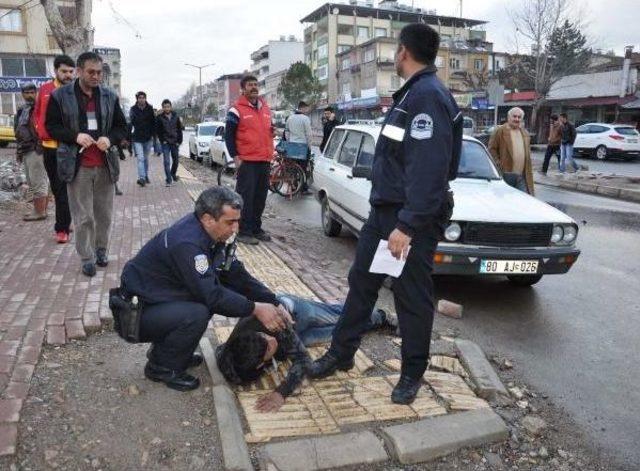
x,y
286,176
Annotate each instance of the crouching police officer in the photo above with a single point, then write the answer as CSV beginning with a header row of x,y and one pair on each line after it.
x,y
415,157
184,275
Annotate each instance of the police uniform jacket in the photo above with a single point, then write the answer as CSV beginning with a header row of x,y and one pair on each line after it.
x,y
182,263
418,152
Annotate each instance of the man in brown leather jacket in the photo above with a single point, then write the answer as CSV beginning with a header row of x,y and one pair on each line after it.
x,y
553,143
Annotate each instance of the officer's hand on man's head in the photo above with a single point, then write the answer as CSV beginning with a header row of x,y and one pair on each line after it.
x,y
270,317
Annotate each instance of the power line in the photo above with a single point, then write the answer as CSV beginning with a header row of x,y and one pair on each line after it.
x,y
17,8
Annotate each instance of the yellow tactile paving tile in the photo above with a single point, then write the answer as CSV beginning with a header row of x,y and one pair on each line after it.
x,y
454,391
448,364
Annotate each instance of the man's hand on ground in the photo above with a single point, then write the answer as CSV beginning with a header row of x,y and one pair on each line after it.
x,y
84,140
270,317
399,244
286,315
103,143
270,403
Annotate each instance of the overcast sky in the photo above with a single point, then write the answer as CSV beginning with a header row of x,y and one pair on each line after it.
x,y
156,37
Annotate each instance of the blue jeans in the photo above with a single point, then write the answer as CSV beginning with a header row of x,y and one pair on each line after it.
x,y
315,321
142,151
170,152
566,156
157,147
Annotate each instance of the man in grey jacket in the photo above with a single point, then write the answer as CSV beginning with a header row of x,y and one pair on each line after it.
x,y
298,127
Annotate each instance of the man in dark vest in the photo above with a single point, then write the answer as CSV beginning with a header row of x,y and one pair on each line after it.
x,y
86,119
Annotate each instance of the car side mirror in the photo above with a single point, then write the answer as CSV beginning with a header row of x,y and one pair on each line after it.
x,y
361,171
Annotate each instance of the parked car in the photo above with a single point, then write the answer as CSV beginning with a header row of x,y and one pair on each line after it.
x,y
495,229
218,148
6,130
468,126
200,139
485,135
603,141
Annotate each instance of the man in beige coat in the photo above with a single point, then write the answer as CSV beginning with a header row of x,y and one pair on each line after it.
x,y
510,148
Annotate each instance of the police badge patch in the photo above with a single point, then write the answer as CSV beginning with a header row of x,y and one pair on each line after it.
x,y
422,126
201,263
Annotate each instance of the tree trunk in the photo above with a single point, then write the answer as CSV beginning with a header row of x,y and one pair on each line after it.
x,y
73,37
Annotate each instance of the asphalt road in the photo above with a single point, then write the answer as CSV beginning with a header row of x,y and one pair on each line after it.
x,y
573,337
618,167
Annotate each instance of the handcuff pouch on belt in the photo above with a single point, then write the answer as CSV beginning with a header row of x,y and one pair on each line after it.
x,y
126,315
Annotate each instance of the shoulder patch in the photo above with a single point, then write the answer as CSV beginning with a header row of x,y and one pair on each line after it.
x,y
201,263
422,126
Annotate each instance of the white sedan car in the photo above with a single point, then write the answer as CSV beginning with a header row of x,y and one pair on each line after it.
x,y
200,139
603,141
495,229
218,148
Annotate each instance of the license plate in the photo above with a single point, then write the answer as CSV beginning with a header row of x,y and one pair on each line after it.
x,y
502,267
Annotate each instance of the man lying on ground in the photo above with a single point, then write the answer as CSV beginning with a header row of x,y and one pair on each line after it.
x,y
251,347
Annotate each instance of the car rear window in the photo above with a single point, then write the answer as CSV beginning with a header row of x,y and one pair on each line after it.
x,y
625,131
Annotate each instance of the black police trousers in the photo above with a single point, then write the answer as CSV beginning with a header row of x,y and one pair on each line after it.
x,y
252,184
174,328
412,291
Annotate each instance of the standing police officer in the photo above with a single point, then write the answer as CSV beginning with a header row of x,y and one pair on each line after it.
x,y
416,156
184,275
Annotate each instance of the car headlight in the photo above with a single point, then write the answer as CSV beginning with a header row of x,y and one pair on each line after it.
x,y
557,234
203,144
453,232
570,234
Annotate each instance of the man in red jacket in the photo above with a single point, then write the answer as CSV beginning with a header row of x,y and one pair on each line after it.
x,y
249,139
64,67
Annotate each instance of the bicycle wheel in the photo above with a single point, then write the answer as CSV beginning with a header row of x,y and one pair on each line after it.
x,y
292,180
227,175
275,175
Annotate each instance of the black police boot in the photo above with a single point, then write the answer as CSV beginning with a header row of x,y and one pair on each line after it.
x,y
101,257
329,364
406,390
178,380
196,358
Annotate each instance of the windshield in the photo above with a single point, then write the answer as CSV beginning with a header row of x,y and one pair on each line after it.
x,y
207,130
475,162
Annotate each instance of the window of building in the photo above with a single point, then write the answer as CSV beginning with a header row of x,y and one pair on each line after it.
x,y
11,20
315,55
19,67
369,55
346,89
343,47
345,64
439,61
363,32
322,72
323,51
9,102
381,32
346,30
478,64
454,63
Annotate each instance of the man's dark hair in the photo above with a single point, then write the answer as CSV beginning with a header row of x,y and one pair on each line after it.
x,y
302,104
554,117
88,57
247,78
29,87
422,41
63,59
244,355
564,115
330,109
166,101
141,93
213,199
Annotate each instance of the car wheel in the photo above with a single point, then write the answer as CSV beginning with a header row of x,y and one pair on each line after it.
x,y
330,226
191,154
601,152
524,280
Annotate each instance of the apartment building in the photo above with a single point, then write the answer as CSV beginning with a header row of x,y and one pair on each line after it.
x,y
334,28
27,49
224,93
111,65
274,57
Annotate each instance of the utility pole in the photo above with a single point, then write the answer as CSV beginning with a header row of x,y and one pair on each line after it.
x,y
200,99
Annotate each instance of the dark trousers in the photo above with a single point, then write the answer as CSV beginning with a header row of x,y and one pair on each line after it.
x,y
171,158
412,292
252,184
551,149
174,328
59,190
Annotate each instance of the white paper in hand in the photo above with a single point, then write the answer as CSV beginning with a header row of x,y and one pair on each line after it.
x,y
384,262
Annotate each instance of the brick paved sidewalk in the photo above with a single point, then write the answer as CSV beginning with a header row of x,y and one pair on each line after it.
x,y
45,297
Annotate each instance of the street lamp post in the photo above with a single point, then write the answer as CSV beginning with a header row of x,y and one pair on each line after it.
x,y
200,100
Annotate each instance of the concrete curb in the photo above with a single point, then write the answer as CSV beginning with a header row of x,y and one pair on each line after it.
x,y
625,194
432,438
486,380
324,452
235,452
